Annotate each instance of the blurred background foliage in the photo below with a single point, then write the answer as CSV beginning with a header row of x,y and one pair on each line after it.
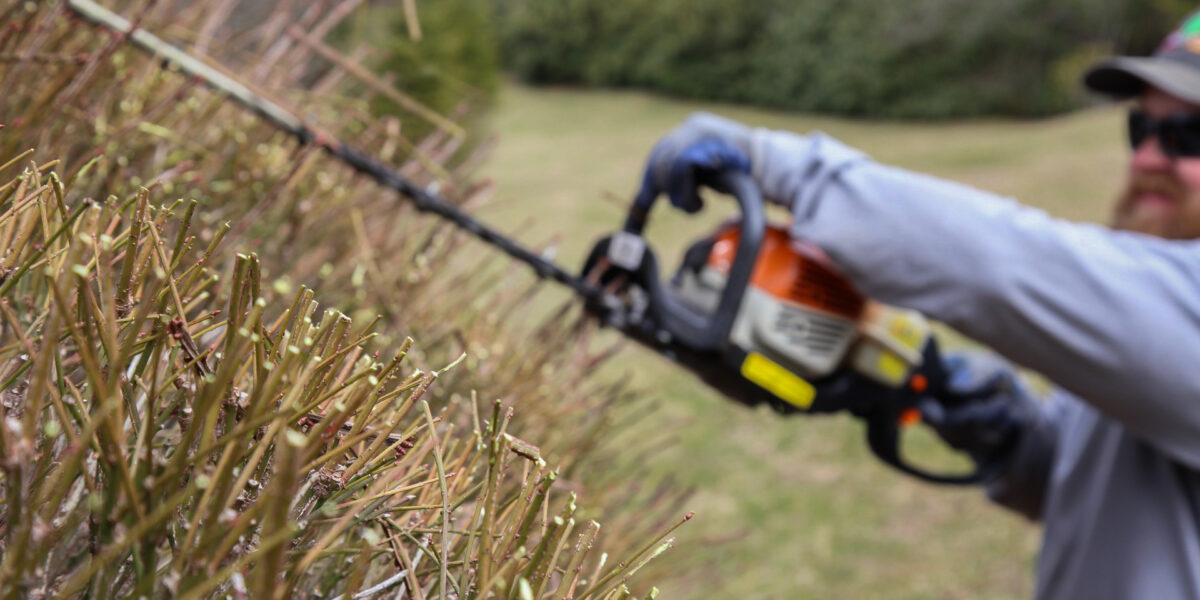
x,y
453,63
456,48
920,59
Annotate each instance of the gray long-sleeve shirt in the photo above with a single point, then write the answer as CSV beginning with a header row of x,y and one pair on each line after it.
x,y
1112,464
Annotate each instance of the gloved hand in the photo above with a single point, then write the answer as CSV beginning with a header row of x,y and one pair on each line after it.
x,y
703,141
987,418
790,169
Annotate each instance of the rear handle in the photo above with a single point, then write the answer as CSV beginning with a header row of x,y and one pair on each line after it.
x,y
884,425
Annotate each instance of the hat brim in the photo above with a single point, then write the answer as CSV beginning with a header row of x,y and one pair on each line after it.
x,y
1127,76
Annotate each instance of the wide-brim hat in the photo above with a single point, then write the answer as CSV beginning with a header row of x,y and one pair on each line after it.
x,y
1174,67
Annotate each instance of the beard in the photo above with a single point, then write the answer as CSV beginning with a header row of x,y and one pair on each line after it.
x,y
1158,204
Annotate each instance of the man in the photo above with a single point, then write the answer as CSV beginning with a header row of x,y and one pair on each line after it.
x,y
1111,464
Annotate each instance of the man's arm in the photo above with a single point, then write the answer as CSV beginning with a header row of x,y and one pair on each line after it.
x,y
1112,317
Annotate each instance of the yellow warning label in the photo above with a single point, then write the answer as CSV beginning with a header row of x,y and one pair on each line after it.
x,y
779,381
892,367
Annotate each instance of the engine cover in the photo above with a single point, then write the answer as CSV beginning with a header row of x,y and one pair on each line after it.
x,y
801,313
797,311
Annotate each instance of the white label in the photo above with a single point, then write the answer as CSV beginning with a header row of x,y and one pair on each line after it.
x,y
626,250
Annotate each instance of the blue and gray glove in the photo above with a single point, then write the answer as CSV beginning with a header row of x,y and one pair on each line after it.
x,y
987,422
790,169
702,142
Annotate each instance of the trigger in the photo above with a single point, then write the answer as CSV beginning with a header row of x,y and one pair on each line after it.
x,y
918,383
909,417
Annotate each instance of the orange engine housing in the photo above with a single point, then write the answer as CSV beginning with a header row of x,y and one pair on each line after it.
x,y
790,271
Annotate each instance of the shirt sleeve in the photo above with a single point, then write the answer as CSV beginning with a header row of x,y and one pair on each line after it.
x,y
1112,317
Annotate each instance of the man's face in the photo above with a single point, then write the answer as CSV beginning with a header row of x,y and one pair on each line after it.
x,y
1162,196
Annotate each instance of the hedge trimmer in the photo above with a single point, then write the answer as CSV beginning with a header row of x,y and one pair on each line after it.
x,y
756,315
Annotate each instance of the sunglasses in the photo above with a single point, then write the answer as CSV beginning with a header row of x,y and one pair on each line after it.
x,y
1178,134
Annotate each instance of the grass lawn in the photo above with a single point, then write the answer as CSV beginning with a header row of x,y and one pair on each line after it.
x,y
793,508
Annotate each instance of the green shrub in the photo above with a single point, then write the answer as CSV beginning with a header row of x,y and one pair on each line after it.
x,y
458,50
923,59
